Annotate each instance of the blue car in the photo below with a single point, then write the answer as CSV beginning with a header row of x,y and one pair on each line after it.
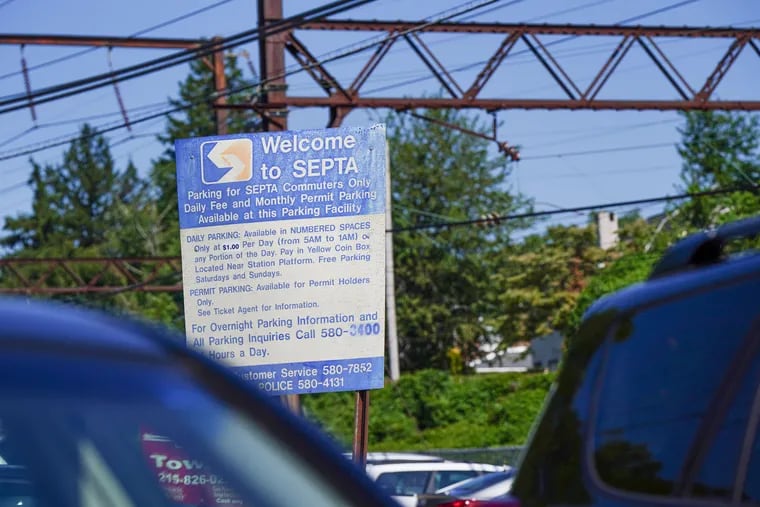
x,y
99,411
657,402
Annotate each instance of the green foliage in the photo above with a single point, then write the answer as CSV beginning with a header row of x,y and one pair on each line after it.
x,y
627,270
540,279
87,207
514,416
76,208
430,409
442,275
719,150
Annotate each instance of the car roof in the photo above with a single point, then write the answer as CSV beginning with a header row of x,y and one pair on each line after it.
x,y
49,326
664,287
378,457
44,322
432,466
483,481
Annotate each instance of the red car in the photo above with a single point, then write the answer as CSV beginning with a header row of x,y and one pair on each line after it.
x,y
502,501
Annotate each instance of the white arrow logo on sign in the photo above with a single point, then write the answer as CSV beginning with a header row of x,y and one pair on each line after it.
x,y
233,153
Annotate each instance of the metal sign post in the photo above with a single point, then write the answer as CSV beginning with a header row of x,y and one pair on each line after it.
x,y
361,428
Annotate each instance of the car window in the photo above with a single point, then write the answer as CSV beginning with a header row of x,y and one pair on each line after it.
x,y
676,392
750,491
143,434
403,483
446,477
720,466
477,483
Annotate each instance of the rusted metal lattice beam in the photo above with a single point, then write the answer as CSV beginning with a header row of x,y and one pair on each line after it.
x,y
90,275
540,41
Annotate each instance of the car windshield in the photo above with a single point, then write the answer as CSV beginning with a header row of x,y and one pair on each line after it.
x,y
142,434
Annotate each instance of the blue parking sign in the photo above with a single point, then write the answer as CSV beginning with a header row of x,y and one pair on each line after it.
x,y
283,255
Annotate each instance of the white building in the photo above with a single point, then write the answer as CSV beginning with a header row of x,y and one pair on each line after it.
x,y
542,353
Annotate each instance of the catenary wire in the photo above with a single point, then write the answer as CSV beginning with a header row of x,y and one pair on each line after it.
x,y
15,186
78,86
349,52
147,106
393,76
582,6
83,85
82,119
574,175
136,34
332,8
606,132
593,207
613,149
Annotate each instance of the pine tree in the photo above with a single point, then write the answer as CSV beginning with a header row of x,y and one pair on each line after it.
x,y
75,206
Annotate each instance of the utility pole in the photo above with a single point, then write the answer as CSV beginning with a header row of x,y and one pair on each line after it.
x,y
220,86
272,65
390,280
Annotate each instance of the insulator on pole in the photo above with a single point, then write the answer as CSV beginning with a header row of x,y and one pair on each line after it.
x,y
118,93
27,84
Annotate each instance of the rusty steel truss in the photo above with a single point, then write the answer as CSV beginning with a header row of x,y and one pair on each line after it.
x,y
90,275
111,275
341,99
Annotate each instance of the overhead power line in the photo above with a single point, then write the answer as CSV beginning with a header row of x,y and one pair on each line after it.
x,y
76,87
136,34
468,7
601,150
494,218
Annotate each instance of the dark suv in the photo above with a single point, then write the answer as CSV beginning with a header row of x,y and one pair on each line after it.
x,y
658,400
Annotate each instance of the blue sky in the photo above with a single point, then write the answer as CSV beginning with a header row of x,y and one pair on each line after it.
x,y
552,171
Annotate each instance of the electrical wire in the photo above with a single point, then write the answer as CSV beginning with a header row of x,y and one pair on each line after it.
x,y
657,11
83,85
583,6
29,149
569,10
79,86
601,150
492,9
149,106
608,132
6,2
593,207
14,186
81,119
636,170
136,34
18,136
